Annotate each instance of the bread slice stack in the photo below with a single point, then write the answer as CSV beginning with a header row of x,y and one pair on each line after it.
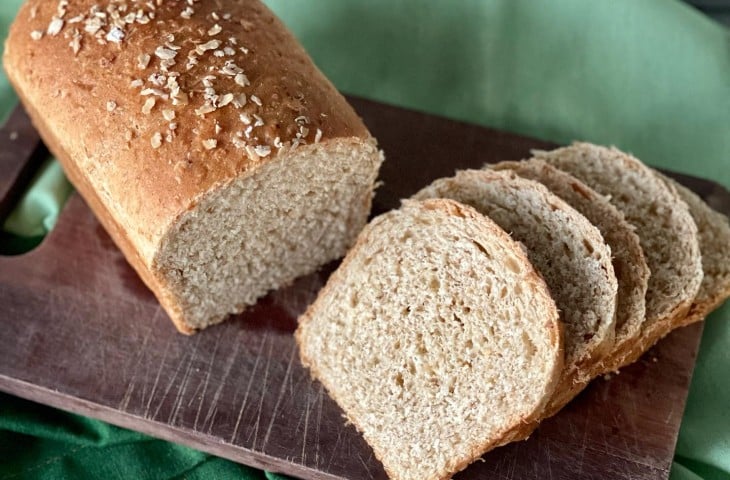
x,y
564,246
713,231
440,339
632,271
667,232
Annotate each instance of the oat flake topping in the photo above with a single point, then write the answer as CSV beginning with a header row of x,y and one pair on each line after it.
x,y
170,66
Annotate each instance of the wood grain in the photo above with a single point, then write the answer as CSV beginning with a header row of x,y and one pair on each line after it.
x,y
82,333
20,156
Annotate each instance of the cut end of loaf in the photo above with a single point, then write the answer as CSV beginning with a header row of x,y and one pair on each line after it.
x,y
262,231
422,283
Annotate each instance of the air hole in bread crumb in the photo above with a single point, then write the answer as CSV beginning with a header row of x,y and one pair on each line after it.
x,y
399,380
434,284
588,246
528,345
513,265
482,248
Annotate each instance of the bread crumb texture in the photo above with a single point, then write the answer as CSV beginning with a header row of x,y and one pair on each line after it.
x,y
564,246
629,262
435,336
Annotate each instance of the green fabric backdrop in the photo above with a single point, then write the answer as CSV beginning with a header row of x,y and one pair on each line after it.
x,y
650,76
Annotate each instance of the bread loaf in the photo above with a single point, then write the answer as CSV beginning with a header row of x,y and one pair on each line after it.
x,y
665,227
435,336
629,263
565,248
205,140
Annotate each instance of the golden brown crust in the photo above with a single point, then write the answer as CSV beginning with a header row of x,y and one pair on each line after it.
x,y
698,311
92,199
102,89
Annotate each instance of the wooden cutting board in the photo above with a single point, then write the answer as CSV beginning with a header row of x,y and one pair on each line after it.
x,y
82,333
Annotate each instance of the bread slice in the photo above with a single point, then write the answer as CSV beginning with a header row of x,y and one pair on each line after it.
x,y
422,283
629,263
566,249
665,227
714,237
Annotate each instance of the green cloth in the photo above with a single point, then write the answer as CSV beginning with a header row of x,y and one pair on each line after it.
x,y
650,76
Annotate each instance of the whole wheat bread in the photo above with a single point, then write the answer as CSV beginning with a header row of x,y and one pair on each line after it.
x,y
215,153
667,232
564,246
422,283
629,263
714,237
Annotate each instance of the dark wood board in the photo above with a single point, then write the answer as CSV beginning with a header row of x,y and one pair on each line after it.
x,y
82,333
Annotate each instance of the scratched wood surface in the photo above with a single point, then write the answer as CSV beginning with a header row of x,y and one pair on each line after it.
x,y
82,333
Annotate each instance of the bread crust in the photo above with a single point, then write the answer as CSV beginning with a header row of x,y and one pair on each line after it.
x,y
555,330
97,206
99,127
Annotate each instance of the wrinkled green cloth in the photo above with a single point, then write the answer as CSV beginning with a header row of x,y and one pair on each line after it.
x,y
650,76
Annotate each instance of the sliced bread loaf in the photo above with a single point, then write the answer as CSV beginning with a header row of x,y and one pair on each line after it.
x,y
714,237
564,246
629,263
421,283
665,227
